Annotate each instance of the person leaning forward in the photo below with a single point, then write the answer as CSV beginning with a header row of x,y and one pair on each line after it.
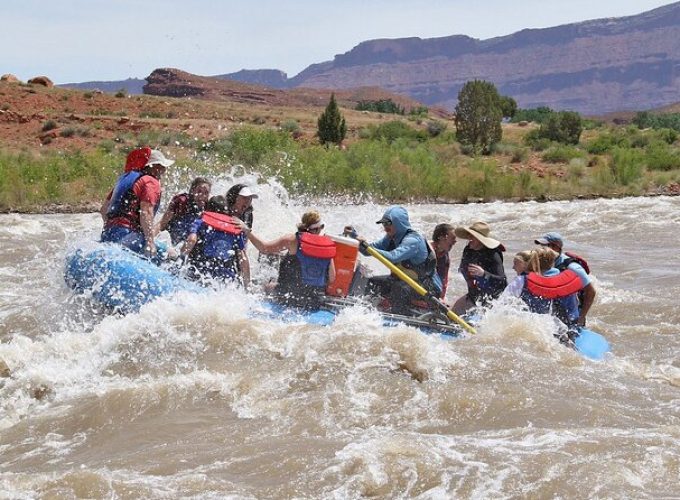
x,y
409,250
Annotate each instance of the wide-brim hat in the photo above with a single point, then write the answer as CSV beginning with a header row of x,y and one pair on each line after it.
x,y
479,230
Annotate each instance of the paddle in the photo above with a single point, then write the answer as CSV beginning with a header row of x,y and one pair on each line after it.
x,y
418,288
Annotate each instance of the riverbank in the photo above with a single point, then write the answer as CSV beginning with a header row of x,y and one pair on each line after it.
x,y
62,150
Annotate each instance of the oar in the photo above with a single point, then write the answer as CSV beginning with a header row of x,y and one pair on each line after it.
x,y
419,289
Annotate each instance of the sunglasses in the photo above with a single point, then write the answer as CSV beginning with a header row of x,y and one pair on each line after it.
x,y
316,228
386,223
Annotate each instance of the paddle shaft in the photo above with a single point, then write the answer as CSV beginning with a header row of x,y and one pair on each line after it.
x,y
419,289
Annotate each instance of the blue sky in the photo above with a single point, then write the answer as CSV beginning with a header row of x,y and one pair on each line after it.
x,y
83,40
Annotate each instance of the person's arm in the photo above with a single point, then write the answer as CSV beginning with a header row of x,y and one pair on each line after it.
x,y
407,248
515,287
244,265
146,221
104,209
588,299
165,220
331,272
271,247
189,244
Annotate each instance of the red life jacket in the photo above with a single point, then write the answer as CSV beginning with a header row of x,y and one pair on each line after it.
x,y
137,159
554,287
221,222
316,245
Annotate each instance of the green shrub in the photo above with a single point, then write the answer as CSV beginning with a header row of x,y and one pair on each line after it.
x,y
290,126
659,156
393,130
435,128
626,165
536,115
49,125
564,127
67,132
121,93
381,106
561,153
534,140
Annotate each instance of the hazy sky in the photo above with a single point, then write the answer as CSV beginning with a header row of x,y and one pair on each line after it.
x,y
83,40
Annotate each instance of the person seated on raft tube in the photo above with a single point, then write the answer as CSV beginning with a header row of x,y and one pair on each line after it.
x,y
410,251
547,290
184,209
568,260
240,203
482,267
130,208
215,246
443,239
307,268
520,263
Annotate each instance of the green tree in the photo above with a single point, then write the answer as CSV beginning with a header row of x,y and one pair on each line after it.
x,y
331,127
478,116
508,106
564,127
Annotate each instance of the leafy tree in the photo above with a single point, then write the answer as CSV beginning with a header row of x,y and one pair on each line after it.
x,y
508,106
381,106
478,116
564,127
331,127
537,115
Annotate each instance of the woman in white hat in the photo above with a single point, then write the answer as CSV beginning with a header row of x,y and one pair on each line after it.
x,y
482,267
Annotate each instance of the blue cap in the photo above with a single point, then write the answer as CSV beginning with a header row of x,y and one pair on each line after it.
x,y
552,237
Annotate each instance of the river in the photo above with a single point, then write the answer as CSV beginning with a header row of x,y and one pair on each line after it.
x,y
193,398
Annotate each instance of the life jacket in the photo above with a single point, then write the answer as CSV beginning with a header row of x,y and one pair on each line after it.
x,y
315,253
186,211
573,258
425,270
543,293
217,245
124,202
481,286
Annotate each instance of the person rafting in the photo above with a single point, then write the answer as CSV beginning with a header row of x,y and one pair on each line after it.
x,y
547,290
443,239
308,266
520,262
482,267
568,260
130,207
184,209
239,199
215,246
410,251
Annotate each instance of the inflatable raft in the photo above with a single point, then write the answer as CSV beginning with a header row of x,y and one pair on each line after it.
x,y
122,281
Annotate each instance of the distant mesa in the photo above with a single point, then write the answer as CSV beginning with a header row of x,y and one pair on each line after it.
x,y
594,67
273,78
173,82
41,80
9,78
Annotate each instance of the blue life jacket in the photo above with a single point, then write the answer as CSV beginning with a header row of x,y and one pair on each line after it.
x,y
186,212
219,239
124,203
314,252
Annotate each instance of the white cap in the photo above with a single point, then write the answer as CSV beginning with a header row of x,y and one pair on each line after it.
x,y
158,158
246,191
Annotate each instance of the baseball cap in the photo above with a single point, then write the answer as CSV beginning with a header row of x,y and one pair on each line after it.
x,y
551,237
246,191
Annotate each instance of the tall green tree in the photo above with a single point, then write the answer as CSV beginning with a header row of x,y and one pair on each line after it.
x,y
331,126
478,115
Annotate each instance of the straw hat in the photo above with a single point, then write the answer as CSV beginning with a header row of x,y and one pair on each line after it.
x,y
479,230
